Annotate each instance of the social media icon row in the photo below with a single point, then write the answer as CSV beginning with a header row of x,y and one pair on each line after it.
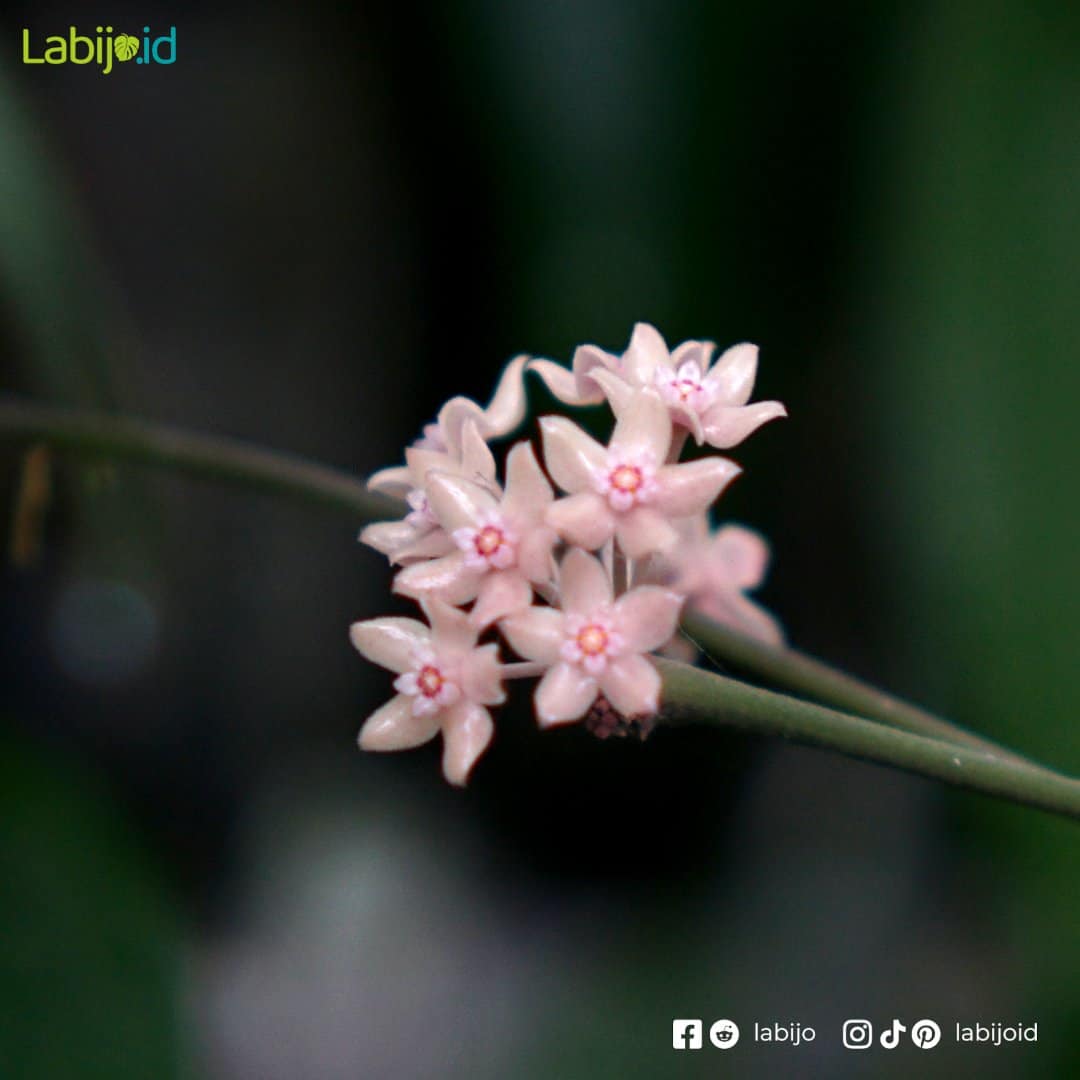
x,y
687,1034
859,1034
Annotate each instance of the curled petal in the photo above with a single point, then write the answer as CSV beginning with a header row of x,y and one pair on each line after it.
x,y
564,694
563,384
453,417
457,503
429,546
616,389
739,556
632,685
584,584
535,633
692,352
501,593
643,424
393,481
742,614
727,426
477,460
647,349
644,531
506,409
467,731
731,378
588,361
647,617
692,486
481,676
572,457
450,628
390,641
527,489
389,537
446,578
584,519
396,727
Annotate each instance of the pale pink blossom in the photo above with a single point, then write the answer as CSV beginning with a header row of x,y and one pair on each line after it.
x,y
715,571
710,402
594,644
444,684
418,534
503,546
626,489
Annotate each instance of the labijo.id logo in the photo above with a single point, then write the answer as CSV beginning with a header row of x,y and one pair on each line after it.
x,y
102,48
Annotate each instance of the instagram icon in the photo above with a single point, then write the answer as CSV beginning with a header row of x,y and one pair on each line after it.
x,y
858,1034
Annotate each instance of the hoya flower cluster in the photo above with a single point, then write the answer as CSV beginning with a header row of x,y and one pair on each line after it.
x,y
581,563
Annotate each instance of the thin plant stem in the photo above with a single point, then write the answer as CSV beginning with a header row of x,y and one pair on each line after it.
x,y
692,695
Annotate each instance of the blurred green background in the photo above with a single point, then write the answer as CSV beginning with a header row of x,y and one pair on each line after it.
x,y
311,230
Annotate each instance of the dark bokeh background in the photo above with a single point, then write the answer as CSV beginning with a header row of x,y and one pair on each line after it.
x,y
311,230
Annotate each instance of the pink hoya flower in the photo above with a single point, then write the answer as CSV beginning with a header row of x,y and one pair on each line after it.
x,y
715,572
418,535
594,645
503,545
444,683
627,489
711,402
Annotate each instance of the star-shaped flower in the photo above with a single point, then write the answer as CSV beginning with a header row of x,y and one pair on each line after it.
x,y
711,402
594,645
503,544
627,489
444,684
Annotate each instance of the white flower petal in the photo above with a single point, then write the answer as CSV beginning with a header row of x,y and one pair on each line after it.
x,y
647,617
643,531
738,557
632,685
448,578
588,360
395,480
643,426
389,641
506,409
481,676
693,486
535,633
727,426
388,537
467,732
563,384
584,584
646,349
451,631
564,694
456,502
731,378
572,457
584,519
501,593
396,727
527,489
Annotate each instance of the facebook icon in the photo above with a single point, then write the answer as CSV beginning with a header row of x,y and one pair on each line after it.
x,y
686,1034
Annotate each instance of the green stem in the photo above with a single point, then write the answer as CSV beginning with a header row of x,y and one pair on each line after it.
x,y
936,747
116,437
692,695
803,675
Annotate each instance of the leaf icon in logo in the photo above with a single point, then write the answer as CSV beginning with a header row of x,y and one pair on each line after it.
x,y
125,46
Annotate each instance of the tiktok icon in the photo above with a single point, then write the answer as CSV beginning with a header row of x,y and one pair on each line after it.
x,y
891,1039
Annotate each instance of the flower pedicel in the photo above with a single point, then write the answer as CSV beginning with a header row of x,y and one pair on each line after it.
x,y
584,587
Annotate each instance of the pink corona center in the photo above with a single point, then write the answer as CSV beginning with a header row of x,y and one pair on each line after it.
x,y
626,478
592,640
488,540
430,681
687,388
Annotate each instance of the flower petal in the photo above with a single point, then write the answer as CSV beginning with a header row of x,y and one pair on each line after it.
x,y
396,727
467,732
584,519
738,556
430,546
643,531
647,617
731,378
694,485
534,557
390,641
584,584
453,417
564,694
535,633
389,537
481,676
646,349
457,502
571,456
727,426
506,409
643,424
451,631
616,389
562,383
395,480
501,593
743,614
527,489
446,578
632,685
694,352
588,360
477,460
